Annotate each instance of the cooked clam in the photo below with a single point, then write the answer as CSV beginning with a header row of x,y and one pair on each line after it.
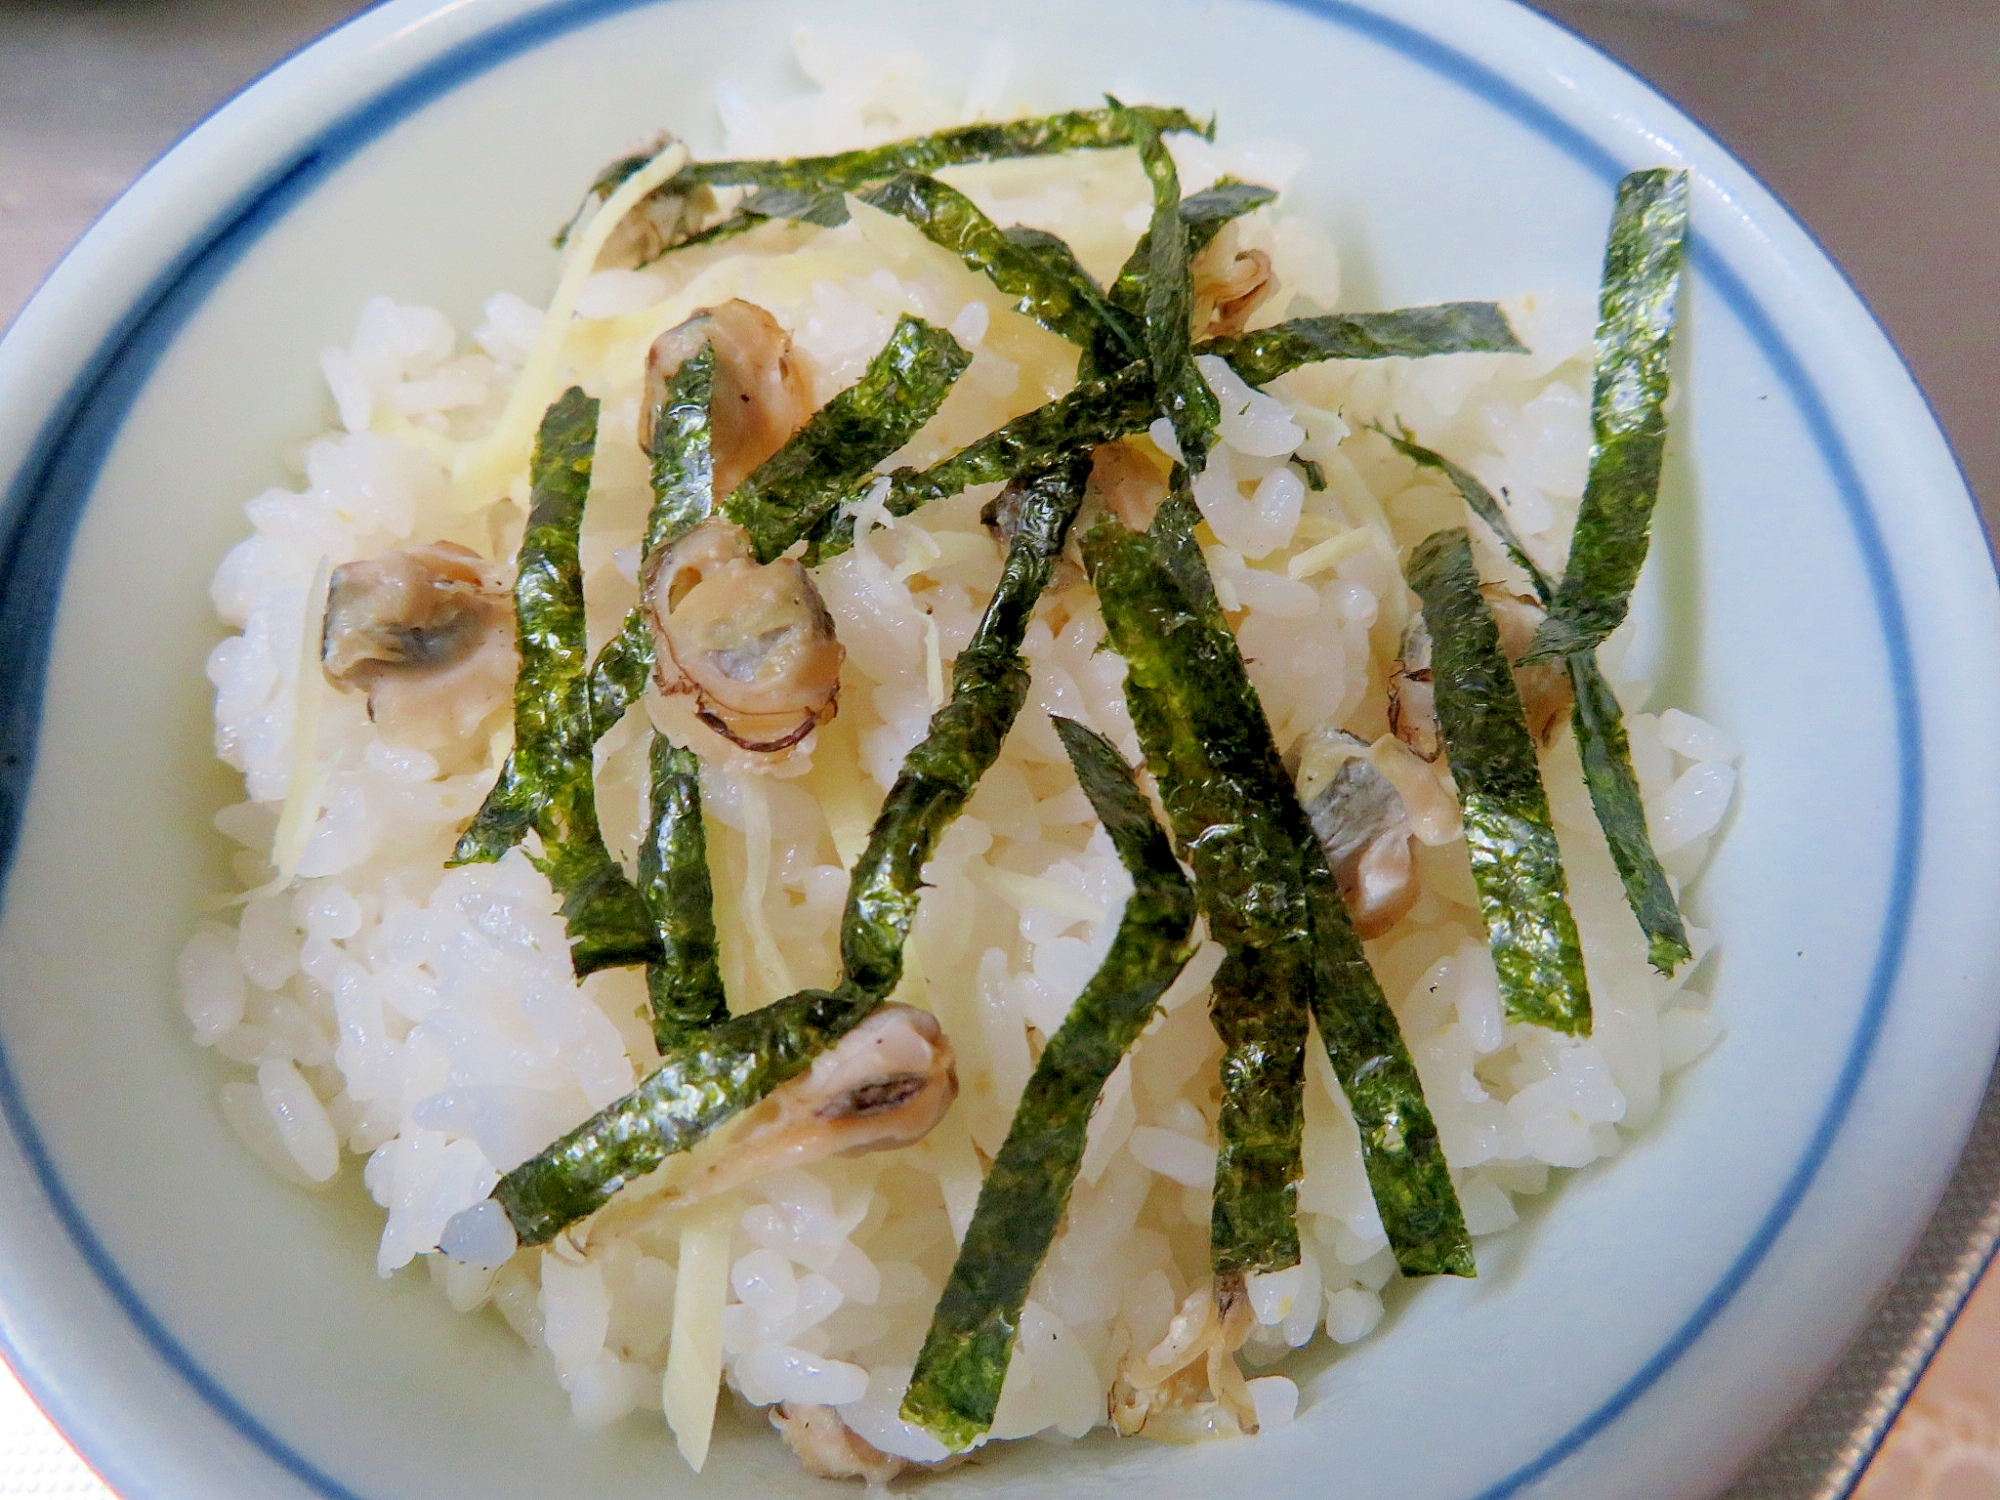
x,y
753,642
1227,293
883,1085
428,634
1412,698
1187,1388
761,395
1546,693
829,1448
1362,825
1124,481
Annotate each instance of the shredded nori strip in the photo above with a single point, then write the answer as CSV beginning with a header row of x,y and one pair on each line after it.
x,y
1482,502
794,489
826,209
1599,725
1606,754
1096,411
710,1077
1038,270
547,783
989,683
1174,544
601,187
761,207
682,452
1220,780
1261,356
956,1386
1045,135
1408,1176
1263,884
820,176
1516,864
685,985
1182,395
1204,213
740,222
1119,338
1257,1005
1628,418
713,1075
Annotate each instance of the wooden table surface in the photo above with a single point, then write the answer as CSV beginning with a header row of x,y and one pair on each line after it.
x,y
1873,119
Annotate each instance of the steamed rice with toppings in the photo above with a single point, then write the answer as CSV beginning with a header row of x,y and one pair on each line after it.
x,y
425,1016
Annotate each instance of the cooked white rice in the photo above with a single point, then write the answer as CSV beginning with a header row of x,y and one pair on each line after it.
x,y
427,1021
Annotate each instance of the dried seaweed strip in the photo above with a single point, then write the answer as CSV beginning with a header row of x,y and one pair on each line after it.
x,y
1408,1176
824,207
1096,411
793,490
1118,339
1261,356
1599,725
1606,755
708,1079
1261,878
1628,418
1483,504
1257,1004
1182,395
1224,788
742,221
681,449
1174,543
817,176
1516,864
1204,213
685,986
618,676
1052,247
1205,737
549,775
989,683
503,819
1046,135
1038,270
956,1386
602,186
682,454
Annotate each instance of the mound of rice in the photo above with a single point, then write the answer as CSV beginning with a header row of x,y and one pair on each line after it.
x,y
427,1021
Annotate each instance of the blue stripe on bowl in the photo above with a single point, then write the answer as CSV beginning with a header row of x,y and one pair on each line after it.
x,y
42,506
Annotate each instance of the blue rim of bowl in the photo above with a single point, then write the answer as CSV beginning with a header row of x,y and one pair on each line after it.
x,y
43,504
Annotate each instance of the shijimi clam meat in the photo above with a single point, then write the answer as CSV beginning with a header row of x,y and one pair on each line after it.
x,y
753,642
1363,826
883,1085
762,395
428,634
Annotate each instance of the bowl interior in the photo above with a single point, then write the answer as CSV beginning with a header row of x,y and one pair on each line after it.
x,y
204,1329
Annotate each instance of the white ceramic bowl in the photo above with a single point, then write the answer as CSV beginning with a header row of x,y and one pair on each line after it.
x,y
204,1332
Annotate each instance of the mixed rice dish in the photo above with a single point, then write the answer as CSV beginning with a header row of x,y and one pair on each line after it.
x,y
945,796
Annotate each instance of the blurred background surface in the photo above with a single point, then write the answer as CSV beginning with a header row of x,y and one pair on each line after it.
x,y
1875,120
